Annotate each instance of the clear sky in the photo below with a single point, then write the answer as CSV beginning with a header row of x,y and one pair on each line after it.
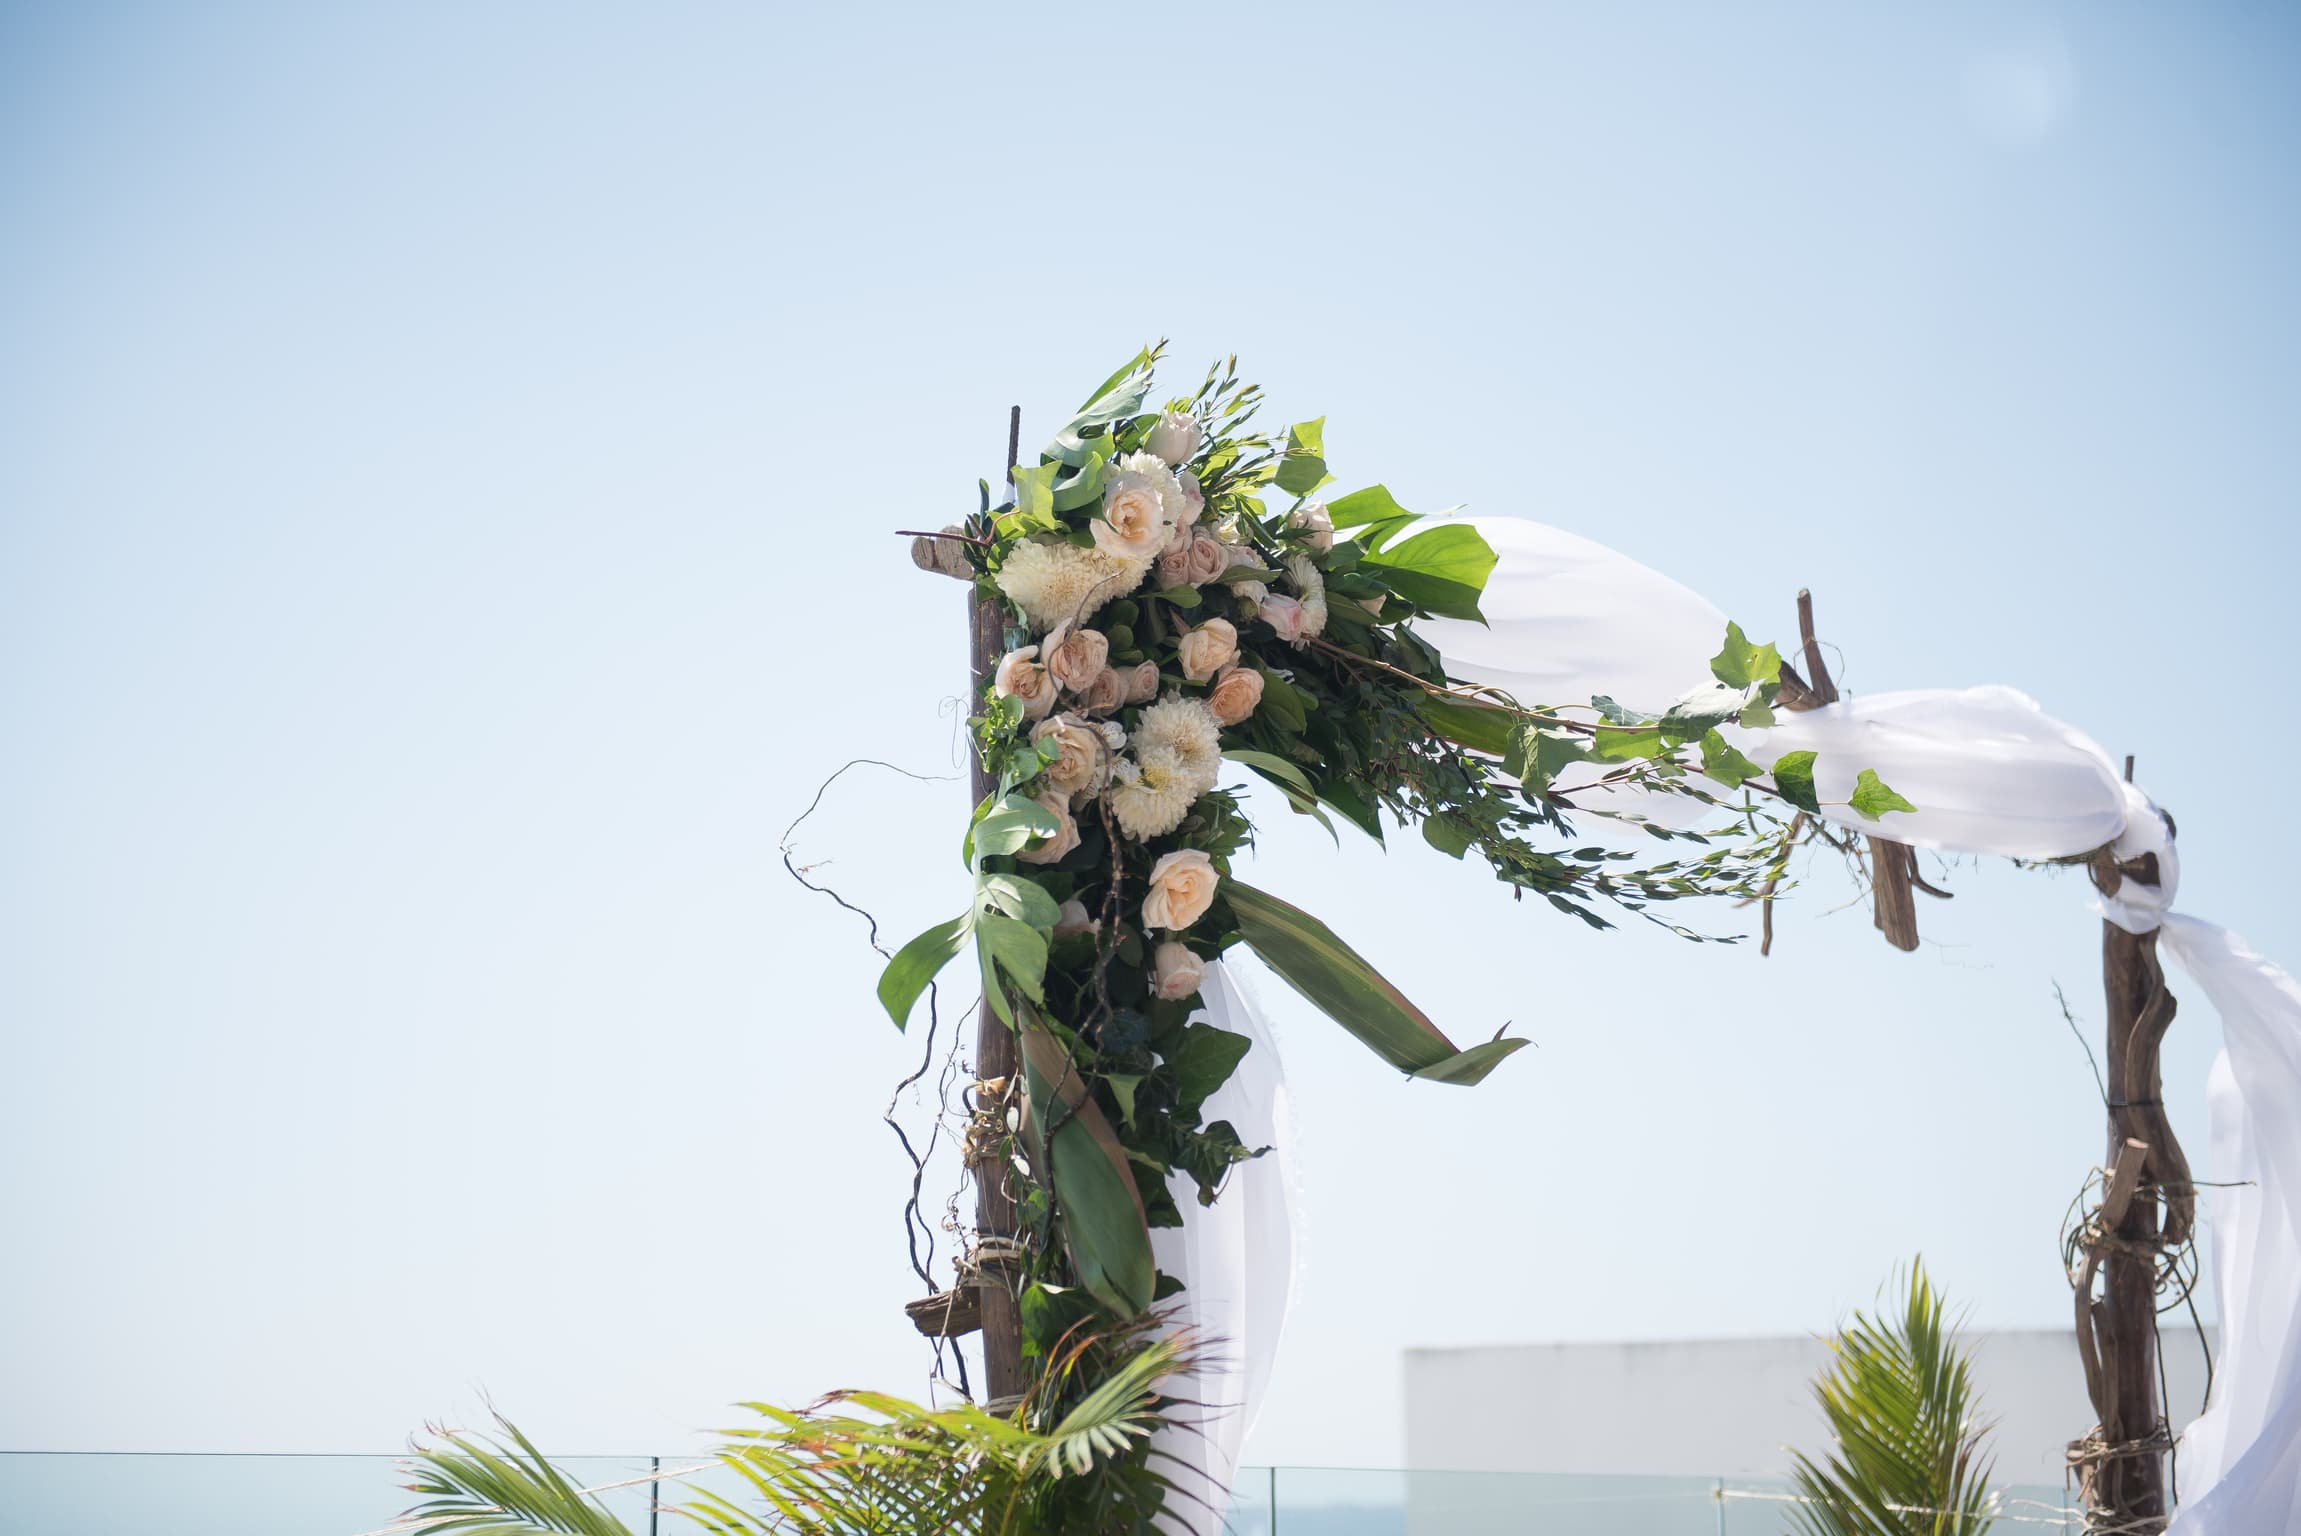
x,y
447,459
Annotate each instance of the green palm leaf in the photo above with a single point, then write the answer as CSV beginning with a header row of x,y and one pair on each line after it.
x,y
1900,1401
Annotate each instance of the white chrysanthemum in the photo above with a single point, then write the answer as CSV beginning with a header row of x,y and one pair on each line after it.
x,y
1187,729
1150,797
1310,589
1052,581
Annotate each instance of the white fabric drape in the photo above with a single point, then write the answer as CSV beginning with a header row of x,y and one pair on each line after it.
x,y
1236,1259
1990,773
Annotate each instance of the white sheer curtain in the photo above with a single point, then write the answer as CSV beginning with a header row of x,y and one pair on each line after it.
x,y
1236,1259
1990,773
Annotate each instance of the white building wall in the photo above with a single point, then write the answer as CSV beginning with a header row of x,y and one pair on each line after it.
x,y
1724,1407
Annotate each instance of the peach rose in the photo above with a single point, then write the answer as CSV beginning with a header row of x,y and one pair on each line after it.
x,y
1181,889
1106,694
1142,683
1207,649
1237,690
1319,522
1172,567
1048,850
1283,614
1073,918
1085,753
1074,656
1021,677
1206,560
1175,972
1142,504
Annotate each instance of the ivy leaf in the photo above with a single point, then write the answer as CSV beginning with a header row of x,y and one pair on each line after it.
x,y
1445,834
1203,1061
1538,753
1694,714
1618,714
918,963
1723,763
1794,777
1623,746
1873,796
1740,664
1756,715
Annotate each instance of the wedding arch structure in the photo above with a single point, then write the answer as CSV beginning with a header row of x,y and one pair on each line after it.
x,y
1169,596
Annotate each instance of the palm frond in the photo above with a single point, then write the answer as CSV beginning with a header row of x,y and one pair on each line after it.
x,y
482,1486
1900,1402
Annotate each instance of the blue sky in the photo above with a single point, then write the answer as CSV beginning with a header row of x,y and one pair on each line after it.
x,y
447,458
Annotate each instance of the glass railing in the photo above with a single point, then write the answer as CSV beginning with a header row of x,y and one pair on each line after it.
x,y
103,1494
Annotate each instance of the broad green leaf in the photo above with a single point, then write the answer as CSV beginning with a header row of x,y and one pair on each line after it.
x,y
918,963
1372,505
1354,807
1280,701
1307,437
1139,363
1873,797
1084,435
1011,824
1019,897
1034,509
1300,473
1741,664
1010,952
1623,744
1310,958
1271,766
1721,762
1794,777
1085,483
1480,727
1469,1068
1442,569
1203,1061
1095,1192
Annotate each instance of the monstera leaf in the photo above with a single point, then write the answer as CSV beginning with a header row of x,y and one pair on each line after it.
x,y
1310,958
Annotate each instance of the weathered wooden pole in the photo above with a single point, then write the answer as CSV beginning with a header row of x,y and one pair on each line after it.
x,y
997,1223
2148,1207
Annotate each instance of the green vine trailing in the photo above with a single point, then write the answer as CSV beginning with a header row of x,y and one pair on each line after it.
x,y
1188,608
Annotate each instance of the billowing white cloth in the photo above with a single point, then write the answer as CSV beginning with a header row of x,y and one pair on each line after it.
x,y
2240,1463
1990,773
1236,1259
1568,618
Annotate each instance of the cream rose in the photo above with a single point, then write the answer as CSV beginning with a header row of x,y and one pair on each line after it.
x,y
1237,691
1283,614
1319,522
1207,649
1048,850
1207,559
1175,972
1075,656
1181,889
1194,499
1082,763
1142,683
1021,677
1142,507
1106,695
1176,438
1072,918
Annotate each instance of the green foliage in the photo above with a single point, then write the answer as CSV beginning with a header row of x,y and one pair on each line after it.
x,y
1873,797
1900,1403
864,1464
1794,779
1310,958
